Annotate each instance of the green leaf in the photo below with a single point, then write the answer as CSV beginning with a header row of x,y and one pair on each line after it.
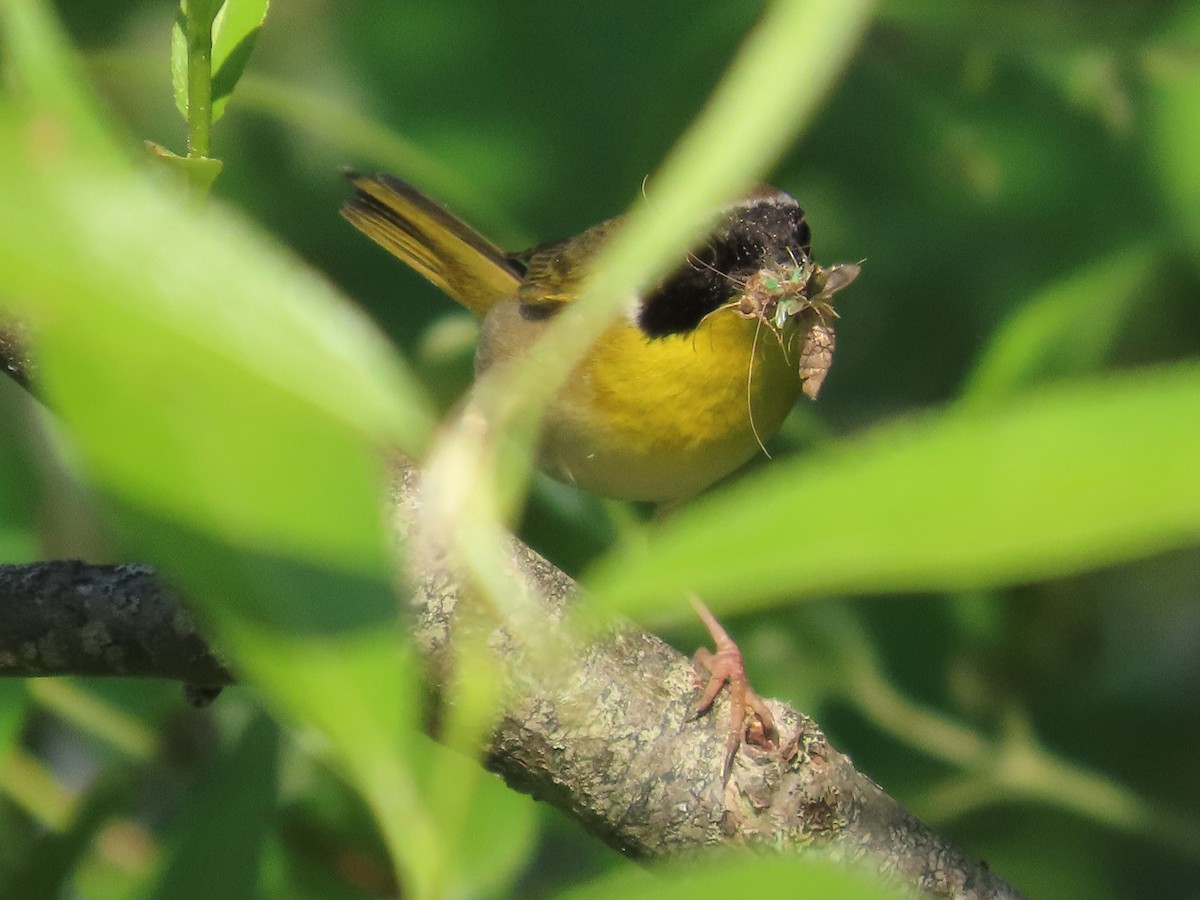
x,y
14,700
740,875
48,77
234,407
236,411
18,539
1172,72
489,829
234,30
224,822
1062,481
210,376
1068,328
234,33
48,870
179,63
361,690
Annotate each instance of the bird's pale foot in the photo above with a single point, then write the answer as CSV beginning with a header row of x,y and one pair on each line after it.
x,y
727,665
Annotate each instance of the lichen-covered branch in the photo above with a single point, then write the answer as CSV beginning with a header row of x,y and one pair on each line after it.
x,y
609,738
71,618
611,741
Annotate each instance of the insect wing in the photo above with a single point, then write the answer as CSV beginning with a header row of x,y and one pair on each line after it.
x,y
816,355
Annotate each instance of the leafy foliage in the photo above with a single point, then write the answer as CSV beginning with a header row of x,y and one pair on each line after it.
x,y
1003,455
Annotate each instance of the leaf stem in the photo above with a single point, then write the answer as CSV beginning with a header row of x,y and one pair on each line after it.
x,y
198,30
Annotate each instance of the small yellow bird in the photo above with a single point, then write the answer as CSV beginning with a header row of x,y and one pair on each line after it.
x,y
673,396
686,386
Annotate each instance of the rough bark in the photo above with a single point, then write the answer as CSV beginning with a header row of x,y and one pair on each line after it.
x,y
70,618
609,739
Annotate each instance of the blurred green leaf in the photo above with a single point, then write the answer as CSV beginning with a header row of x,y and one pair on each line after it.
x,y
1060,481
222,825
742,875
48,871
490,830
214,379
14,700
1172,72
179,62
237,412
39,66
234,33
1068,328
361,691
502,830
18,539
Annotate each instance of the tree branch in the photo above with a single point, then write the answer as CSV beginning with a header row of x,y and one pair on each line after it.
x,y
71,618
611,741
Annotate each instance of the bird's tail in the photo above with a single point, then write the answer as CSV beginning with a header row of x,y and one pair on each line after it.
x,y
443,248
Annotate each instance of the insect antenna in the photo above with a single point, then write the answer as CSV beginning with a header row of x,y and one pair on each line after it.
x,y
749,394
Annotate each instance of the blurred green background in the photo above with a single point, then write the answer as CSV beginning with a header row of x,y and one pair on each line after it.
x,y
986,160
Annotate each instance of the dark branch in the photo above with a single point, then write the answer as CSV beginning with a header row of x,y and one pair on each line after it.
x,y
70,618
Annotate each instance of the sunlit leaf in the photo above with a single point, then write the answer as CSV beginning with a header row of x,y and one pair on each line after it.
x,y
227,351
747,875
236,412
36,50
234,33
1058,482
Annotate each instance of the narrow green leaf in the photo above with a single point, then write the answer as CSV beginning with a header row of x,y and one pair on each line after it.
x,y
18,539
1087,475
361,690
179,63
739,875
48,869
1068,328
234,33
1172,72
216,380
224,822
236,411
501,833
14,700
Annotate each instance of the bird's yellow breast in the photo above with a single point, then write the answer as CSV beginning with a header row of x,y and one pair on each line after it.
x,y
661,419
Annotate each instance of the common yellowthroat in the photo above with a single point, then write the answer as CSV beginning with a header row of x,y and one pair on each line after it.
x,y
673,396
689,383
